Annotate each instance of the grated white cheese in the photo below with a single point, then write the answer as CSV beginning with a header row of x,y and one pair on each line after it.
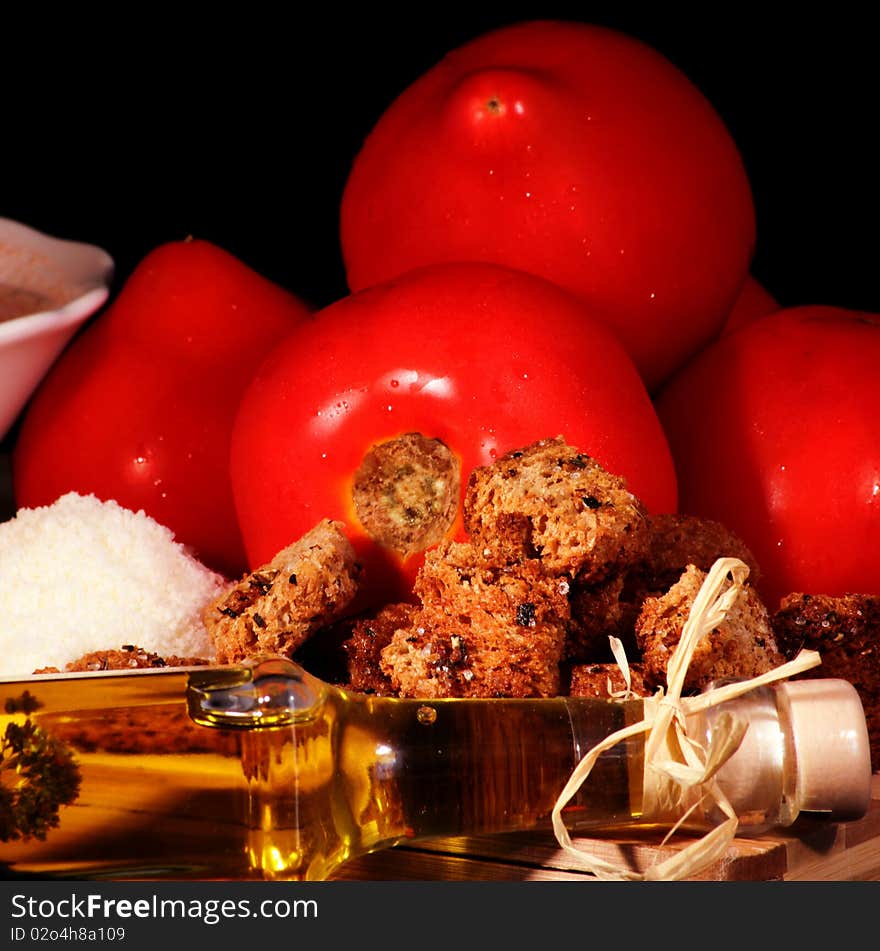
x,y
82,575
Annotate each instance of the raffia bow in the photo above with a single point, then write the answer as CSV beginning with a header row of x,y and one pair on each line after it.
x,y
677,766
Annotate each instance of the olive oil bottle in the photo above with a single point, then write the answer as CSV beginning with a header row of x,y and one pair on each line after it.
x,y
261,771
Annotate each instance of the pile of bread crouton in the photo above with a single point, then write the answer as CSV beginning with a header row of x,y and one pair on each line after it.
x,y
559,559
560,556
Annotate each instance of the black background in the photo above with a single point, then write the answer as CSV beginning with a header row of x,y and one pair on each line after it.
x,y
138,128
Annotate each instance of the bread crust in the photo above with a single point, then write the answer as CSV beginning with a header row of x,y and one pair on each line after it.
x,y
598,612
274,609
480,630
845,630
127,657
743,645
363,649
603,681
551,503
675,541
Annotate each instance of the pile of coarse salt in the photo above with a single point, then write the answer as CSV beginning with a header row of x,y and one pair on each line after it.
x,y
82,575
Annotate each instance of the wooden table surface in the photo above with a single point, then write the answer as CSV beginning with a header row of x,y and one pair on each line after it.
x,y
811,850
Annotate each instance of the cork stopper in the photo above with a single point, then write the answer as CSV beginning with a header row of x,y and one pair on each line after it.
x,y
832,753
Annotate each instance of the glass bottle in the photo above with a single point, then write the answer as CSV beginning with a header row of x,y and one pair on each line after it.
x,y
261,771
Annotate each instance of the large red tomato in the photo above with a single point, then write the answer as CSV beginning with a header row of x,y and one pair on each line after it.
x,y
776,433
140,407
376,411
572,152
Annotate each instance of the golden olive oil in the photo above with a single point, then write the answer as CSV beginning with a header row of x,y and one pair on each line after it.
x,y
265,772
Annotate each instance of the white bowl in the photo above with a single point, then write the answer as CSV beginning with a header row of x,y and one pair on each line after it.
x,y
51,287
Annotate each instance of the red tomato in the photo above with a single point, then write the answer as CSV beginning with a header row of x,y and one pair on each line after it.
x,y
572,152
140,407
480,357
754,302
775,433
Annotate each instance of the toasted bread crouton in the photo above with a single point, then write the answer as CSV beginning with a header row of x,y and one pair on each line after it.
x,y
845,630
480,630
742,646
363,648
603,681
598,612
127,657
551,503
611,606
274,609
676,541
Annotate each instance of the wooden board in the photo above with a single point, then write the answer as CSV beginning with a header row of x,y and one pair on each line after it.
x,y
811,850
